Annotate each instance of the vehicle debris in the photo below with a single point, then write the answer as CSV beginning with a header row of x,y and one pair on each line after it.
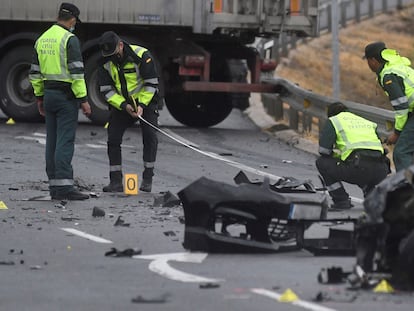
x,y
120,222
208,285
129,252
267,218
98,212
166,200
385,235
155,299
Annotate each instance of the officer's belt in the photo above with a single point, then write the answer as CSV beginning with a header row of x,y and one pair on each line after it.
x,y
57,85
375,157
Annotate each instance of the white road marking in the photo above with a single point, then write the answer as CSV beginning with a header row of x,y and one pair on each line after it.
x,y
300,303
159,264
87,235
94,146
39,134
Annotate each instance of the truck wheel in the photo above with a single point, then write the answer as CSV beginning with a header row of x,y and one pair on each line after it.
x,y
199,109
16,93
99,106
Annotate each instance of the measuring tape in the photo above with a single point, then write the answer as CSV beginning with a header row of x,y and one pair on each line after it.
x,y
214,155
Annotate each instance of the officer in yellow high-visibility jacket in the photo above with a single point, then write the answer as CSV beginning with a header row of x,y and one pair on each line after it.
x,y
360,159
396,77
129,81
57,77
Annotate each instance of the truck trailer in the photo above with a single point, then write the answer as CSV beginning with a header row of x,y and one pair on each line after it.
x,y
202,49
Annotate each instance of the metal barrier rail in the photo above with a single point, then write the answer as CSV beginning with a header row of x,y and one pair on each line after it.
x,y
305,106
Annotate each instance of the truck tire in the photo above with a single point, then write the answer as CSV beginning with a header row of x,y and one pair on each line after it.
x,y
16,93
199,109
99,106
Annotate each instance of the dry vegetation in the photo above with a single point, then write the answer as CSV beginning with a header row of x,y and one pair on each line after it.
x,y
310,65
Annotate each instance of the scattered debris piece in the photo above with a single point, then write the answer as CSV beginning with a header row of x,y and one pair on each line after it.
x,y
13,189
36,267
169,233
69,218
7,263
98,212
333,275
335,297
226,154
60,205
39,198
129,252
167,200
93,195
120,222
208,285
163,298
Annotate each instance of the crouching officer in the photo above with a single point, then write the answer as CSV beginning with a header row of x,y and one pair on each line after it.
x,y
361,160
129,81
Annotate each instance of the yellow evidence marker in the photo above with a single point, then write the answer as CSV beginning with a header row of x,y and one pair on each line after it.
x,y
3,205
131,184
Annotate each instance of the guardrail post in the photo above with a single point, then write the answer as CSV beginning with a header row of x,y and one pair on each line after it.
x,y
371,8
343,14
358,11
293,119
329,11
384,6
307,122
273,105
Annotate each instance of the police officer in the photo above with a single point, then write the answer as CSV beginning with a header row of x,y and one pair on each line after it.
x,y
57,77
396,77
129,81
360,161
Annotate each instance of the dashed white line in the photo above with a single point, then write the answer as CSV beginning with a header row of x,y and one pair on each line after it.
x,y
87,235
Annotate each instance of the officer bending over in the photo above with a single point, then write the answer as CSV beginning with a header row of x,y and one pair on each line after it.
x,y
360,160
129,81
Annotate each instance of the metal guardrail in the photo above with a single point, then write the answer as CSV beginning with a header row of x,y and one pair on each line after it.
x,y
306,106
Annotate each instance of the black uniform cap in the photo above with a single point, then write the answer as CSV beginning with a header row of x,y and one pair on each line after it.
x,y
108,43
336,108
373,50
71,9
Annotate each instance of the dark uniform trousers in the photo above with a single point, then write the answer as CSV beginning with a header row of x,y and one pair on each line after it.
x,y
366,172
119,121
61,117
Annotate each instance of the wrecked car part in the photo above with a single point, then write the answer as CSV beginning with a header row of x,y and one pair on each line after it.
x,y
385,237
253,211
332,275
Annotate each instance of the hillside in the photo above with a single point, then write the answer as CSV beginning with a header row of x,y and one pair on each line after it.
x,y
310,65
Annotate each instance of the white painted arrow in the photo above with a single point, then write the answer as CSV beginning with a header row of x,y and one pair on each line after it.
x,y
159,264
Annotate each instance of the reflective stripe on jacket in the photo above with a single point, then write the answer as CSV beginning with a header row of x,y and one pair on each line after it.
x,y
354,132
399,66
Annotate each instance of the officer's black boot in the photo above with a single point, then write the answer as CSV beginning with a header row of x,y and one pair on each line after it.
x,y
115,184
146,184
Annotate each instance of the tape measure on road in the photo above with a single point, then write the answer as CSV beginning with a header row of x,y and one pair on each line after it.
x,y
214,155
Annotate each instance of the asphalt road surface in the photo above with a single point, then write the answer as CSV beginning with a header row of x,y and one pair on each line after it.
x,y
53,255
